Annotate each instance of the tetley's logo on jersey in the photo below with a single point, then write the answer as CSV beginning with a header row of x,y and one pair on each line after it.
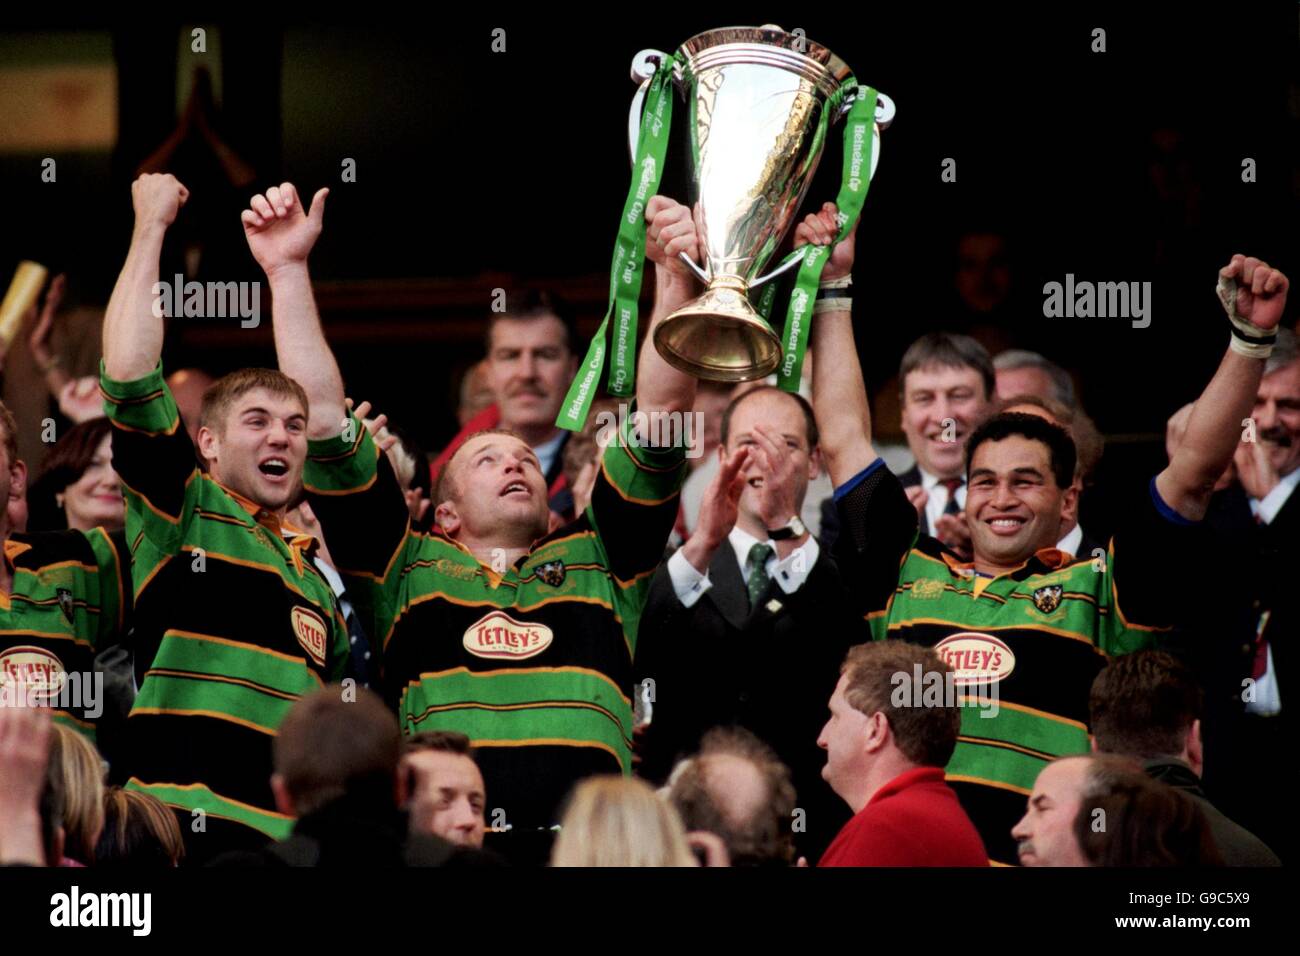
x,y
976,658
311,633
34,668
499,635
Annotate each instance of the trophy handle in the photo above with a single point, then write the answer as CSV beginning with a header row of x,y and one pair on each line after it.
x,y
884,116
644,65
779,270
884,108
704,276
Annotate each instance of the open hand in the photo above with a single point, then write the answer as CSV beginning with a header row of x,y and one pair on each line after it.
x,y
279,232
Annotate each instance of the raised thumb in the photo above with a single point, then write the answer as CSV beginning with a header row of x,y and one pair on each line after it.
x,y
317,211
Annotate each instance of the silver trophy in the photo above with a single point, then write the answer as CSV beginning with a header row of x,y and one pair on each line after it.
x,y
756,98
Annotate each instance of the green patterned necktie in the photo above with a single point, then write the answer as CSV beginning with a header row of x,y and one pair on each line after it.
x,y
756,579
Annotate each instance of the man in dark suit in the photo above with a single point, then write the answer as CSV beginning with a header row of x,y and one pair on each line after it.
x,y
948,385
1241,653
1148,706
748,622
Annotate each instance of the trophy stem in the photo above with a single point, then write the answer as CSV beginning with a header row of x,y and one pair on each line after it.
x,y
719,336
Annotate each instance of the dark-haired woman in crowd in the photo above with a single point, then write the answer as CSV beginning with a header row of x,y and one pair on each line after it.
x,y
79,489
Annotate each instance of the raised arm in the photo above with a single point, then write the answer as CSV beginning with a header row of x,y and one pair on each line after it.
x,y
281,235
1214,427
133,333
669,230
839,392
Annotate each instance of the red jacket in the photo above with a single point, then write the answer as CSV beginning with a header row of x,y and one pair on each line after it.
x,y
914,820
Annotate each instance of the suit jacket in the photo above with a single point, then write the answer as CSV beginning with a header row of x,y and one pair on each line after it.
x,y
1088,545
770,669
1237,845
356,833
913,477
1252,568
1255,570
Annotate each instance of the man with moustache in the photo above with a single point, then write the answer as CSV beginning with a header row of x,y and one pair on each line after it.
x,y
1239,647
1146,822
530,362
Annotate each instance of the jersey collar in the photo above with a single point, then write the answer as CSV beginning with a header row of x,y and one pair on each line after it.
x,y
301,545
1040,562
13,549
267,519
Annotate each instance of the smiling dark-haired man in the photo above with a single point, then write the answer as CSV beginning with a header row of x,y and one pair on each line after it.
x,y
1024,624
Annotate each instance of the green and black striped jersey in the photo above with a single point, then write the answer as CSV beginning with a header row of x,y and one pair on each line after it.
x,y
1025,645
233,623
534,661
70,597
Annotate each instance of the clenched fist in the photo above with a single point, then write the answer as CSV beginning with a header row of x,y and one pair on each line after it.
x,y
820,229
669,231
1261,291
157,198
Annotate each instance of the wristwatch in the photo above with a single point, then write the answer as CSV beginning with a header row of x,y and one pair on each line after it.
x,y
795,529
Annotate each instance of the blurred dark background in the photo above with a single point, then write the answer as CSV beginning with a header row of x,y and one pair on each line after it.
x,y
477,169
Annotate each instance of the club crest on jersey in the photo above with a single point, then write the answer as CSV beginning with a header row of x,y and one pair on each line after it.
x,y
1047,599
498,635
65,602
552,572
976,658
311,633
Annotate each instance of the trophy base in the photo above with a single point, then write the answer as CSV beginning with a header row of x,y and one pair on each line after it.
x,y
719,337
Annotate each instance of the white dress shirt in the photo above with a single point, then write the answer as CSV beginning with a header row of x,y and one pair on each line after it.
x,y
1266,508
789,572
1268,696
1072,541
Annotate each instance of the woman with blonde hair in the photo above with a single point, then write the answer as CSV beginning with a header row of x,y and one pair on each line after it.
x,y
620,821
79,770
139,831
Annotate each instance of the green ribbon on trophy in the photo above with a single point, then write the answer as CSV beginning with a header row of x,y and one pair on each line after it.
x,y
853,193
628,267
